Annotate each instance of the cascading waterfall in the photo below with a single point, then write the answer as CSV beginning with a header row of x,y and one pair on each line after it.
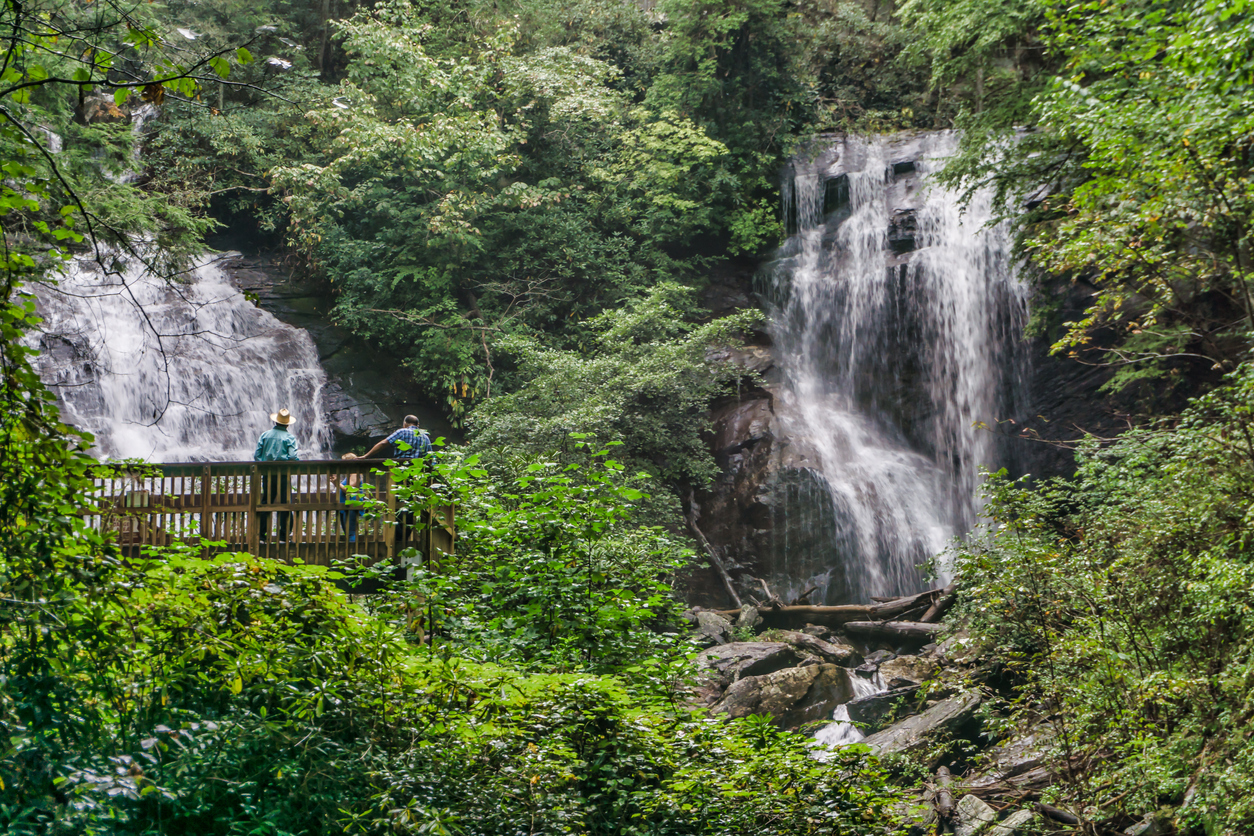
x,y
897,318
184,370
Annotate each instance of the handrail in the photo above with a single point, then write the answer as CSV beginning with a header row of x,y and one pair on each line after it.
x,y
302,510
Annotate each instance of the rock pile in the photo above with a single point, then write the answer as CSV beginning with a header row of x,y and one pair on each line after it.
x,y
903,680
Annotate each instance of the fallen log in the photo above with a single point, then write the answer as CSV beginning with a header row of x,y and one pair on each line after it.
x,y
941,605
900,606
1060,816
797,617
899,630
944,796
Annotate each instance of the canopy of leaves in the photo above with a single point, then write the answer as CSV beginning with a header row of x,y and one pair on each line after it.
x,y
1135,165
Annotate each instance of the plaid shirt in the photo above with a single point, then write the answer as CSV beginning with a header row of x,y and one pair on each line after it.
x,y
410,443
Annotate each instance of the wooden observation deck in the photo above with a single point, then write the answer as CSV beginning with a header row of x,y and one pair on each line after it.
x,y
230,506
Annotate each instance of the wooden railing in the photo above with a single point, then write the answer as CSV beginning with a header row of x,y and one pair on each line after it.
x,y
239,506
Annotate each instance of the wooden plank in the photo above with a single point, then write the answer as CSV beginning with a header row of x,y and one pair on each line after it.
x,y
252,523
206,514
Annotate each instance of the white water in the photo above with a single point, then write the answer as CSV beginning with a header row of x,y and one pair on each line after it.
x,y
842,732
188,370
889,362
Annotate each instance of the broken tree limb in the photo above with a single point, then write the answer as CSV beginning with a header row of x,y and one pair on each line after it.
x,y
900,630
900,606
772,599
941,605
709,550
805,596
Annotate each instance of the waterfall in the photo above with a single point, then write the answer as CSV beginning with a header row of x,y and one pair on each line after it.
x,y
842,731
896,321
173,370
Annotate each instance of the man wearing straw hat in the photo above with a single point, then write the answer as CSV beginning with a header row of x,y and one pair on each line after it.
x,y
276,445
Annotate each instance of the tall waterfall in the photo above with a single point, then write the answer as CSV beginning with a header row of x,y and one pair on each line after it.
x,y
184,370
896,324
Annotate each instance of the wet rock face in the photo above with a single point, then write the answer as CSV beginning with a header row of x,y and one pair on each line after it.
x,y
367,394
902,229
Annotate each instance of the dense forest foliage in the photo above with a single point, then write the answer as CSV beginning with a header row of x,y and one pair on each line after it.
x,y
523,200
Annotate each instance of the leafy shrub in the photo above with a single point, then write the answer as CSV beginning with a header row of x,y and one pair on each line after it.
x,y
1120,603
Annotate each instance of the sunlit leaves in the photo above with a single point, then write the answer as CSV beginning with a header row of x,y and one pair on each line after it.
x,y
1121,600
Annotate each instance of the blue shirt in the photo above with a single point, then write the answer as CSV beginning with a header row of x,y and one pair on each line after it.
x,y
410,443
276,445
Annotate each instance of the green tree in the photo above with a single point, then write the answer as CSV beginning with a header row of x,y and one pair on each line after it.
x,y
1133,169
643,376
472,198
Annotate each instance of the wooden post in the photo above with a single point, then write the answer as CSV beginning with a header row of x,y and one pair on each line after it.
x,y
389,520
254,524
206,526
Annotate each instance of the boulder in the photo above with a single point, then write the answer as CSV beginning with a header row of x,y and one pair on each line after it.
x,y
973,816
819,631
712,628
879,657
1149,826
749,617
868,713
837,654
793,696
1016,824
1020,754
905,671
871,663
913,733
728,663
102,108
959,649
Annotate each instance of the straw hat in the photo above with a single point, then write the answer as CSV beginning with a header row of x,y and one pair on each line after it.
x,y
281,417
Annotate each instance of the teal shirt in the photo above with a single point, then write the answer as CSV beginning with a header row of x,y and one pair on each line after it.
x,y
276,446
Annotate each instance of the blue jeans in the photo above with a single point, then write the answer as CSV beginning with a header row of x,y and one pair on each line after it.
x,y
348,519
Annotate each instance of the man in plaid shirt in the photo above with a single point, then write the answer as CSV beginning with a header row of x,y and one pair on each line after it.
x,y
408,442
